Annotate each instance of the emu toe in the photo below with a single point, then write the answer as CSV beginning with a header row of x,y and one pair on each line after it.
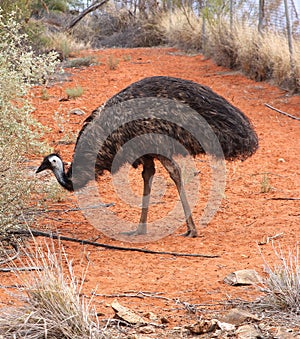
x,y
190,234
141,230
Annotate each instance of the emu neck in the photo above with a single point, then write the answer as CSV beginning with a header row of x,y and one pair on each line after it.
x,y
64,179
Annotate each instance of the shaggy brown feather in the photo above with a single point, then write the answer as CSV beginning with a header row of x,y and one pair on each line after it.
x,y
232,128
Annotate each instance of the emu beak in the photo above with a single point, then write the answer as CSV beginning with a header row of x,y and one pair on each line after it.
x,y
42,167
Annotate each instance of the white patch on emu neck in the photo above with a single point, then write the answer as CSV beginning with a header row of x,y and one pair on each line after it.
x,y
56,163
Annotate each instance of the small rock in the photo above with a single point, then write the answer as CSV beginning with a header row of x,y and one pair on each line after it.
x,y
283,333
248,332
152,316
146,330
236,317
180,332
164,320
203,326
227,327
242,277
126,314
77,111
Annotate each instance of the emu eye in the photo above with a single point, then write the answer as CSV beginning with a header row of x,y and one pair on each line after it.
x,y
54,160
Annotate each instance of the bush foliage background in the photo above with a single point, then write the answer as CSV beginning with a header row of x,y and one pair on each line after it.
x,y
19,68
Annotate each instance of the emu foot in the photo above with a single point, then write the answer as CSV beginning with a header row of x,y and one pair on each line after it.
x,y
190,233
141,230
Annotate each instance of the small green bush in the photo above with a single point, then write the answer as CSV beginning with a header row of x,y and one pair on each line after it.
x,y
19,132
20,8
39,8
112,62
74,92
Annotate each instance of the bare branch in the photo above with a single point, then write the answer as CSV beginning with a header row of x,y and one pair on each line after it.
x,y
36,233
20,269
281,112
9,259
95,5
283,198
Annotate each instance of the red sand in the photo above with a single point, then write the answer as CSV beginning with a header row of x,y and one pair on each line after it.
x,y
246,215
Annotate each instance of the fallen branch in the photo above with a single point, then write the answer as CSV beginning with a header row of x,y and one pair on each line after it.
x,y
6,287
283,198
139,294
21,269
281,112
191,308
9,259
52,235
88,10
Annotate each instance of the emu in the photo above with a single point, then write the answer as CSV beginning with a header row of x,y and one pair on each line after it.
x,y
232,128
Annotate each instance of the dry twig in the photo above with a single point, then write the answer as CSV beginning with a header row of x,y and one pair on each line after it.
x,y
20,269
282,112
283,198
9,259
52,235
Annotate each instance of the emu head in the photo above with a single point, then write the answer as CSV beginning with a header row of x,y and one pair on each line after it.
x,y
52,162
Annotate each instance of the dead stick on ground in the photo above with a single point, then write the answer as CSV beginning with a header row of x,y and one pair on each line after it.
x,y
138,294
21,269
112,247
281,112
9,259
283,198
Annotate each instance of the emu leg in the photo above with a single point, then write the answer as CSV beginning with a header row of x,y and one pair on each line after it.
x,y
147,174
175,175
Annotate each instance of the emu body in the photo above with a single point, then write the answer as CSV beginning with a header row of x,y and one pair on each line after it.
x,y
232,128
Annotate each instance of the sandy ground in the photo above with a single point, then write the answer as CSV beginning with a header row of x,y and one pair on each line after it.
x,y
254,206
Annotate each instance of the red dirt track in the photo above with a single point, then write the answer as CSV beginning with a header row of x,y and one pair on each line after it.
x,y
247,215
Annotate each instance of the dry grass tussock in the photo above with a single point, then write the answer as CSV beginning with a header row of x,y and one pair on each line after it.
x,y
53,306
276,50
182,28
282,286
279,304
260,56
265,56
239,46
65,44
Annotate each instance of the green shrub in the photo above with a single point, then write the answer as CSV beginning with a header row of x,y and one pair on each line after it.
x,y
19,68
74,92
39,7
112,62
21,9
